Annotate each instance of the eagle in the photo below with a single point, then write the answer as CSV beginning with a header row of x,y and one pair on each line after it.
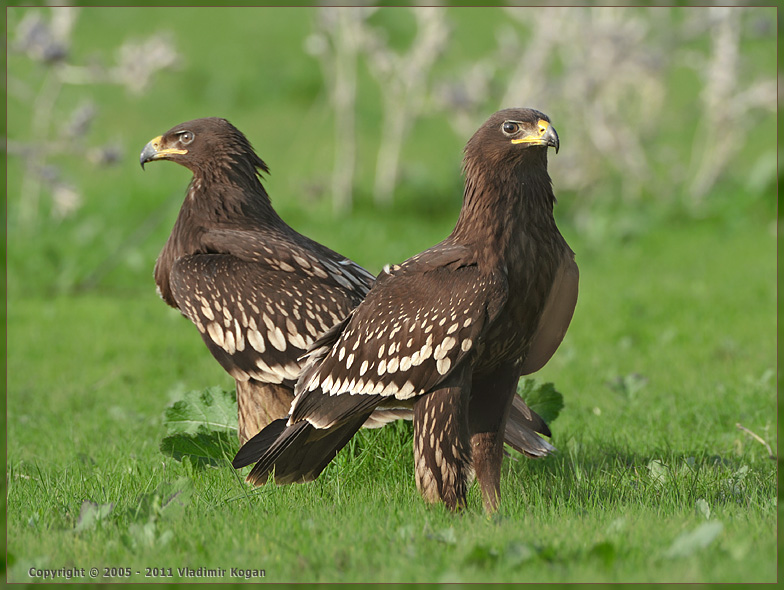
x,y
448,332
259,292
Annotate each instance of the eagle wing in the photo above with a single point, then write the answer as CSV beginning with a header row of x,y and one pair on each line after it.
x,y
420,320
259,308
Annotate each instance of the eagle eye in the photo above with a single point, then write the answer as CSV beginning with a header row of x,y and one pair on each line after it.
x,y
186,137
510,127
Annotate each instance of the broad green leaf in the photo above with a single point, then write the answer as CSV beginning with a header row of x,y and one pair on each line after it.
x,y
146,535
517,553
604,552
202,448
689,542
703,508
629,385
446,536
212,409
481,556
658,472
168,500
542,398
91,514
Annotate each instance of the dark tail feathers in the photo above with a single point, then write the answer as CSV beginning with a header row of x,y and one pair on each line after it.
x,y
521,429
295,453
300,452
252,450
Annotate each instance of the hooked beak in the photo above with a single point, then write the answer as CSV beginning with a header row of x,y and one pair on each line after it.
x,y
152,151
545,136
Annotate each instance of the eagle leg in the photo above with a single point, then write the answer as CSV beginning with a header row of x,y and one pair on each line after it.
x,y
258,404
491,400
441,452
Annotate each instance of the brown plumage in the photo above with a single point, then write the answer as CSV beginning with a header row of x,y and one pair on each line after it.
x,y
259,292
449,332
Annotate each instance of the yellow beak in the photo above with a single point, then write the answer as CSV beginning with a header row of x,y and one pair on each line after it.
x,y
152,151
545,135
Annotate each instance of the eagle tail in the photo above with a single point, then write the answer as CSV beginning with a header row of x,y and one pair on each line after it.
x,y
295,453
254,448
526,442
521,431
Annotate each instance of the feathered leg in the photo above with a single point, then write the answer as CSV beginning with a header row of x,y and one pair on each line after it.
x,y
258,404
441,452
491,400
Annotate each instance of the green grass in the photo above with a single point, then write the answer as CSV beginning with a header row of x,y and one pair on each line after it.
x,y
640,465
673,342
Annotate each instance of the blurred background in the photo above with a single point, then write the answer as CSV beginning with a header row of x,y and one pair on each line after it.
x,y
666,183
666,115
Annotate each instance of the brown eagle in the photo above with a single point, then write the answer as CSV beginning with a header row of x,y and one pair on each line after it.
x,y
259,292
448,332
